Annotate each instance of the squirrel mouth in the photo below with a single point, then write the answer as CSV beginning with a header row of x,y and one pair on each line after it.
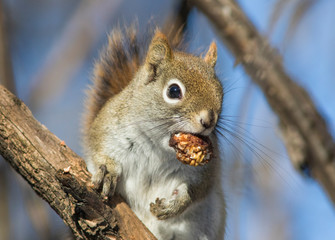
x,y
191,149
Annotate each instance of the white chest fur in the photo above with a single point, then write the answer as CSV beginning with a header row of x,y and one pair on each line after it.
x,y
148,169
148,172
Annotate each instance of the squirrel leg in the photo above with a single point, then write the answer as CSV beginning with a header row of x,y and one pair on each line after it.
x,y
107,178
165,208
109,185
98,177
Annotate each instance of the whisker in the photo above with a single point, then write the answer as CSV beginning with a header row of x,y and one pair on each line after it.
x,y
223,119
243,136
161,126
238,150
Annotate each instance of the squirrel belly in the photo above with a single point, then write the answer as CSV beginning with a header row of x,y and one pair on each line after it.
x,y
127,133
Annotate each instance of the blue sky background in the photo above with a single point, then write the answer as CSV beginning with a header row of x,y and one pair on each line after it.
x,y
267,198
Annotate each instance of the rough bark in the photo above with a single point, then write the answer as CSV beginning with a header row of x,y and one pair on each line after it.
x,y
309,143
60,177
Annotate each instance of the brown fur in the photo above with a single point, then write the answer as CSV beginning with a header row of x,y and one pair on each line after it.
x,y
117,64
116,67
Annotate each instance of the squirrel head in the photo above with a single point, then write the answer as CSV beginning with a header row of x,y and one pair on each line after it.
x,y
178,89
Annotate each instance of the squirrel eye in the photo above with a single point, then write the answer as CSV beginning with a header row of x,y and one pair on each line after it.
x,y
174,92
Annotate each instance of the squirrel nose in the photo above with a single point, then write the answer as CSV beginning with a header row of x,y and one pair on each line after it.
x,y
207,120
205,124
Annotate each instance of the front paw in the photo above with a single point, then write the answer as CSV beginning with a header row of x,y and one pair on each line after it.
x,y
172,206
105,180
160,209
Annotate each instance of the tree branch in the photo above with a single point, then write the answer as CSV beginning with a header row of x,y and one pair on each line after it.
x,y
307,138
60,177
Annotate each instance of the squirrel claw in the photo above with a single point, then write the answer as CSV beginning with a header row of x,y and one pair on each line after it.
x,y
104,181
98,177
109,185
160,209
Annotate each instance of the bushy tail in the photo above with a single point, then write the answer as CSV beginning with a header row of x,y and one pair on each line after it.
x,y
115,68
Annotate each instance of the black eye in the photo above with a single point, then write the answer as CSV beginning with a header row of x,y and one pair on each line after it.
x,y
174,91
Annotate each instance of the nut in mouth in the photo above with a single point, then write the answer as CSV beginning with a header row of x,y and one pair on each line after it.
x,y
193,150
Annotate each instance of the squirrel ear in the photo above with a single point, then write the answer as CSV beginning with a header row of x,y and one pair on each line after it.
x,y
211,55
159,49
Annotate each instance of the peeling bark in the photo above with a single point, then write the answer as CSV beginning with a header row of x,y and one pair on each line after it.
x,y
60,177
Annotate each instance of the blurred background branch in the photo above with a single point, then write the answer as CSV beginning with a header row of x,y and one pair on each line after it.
x,y
308,140
6,79
69,52
300,9
6,72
